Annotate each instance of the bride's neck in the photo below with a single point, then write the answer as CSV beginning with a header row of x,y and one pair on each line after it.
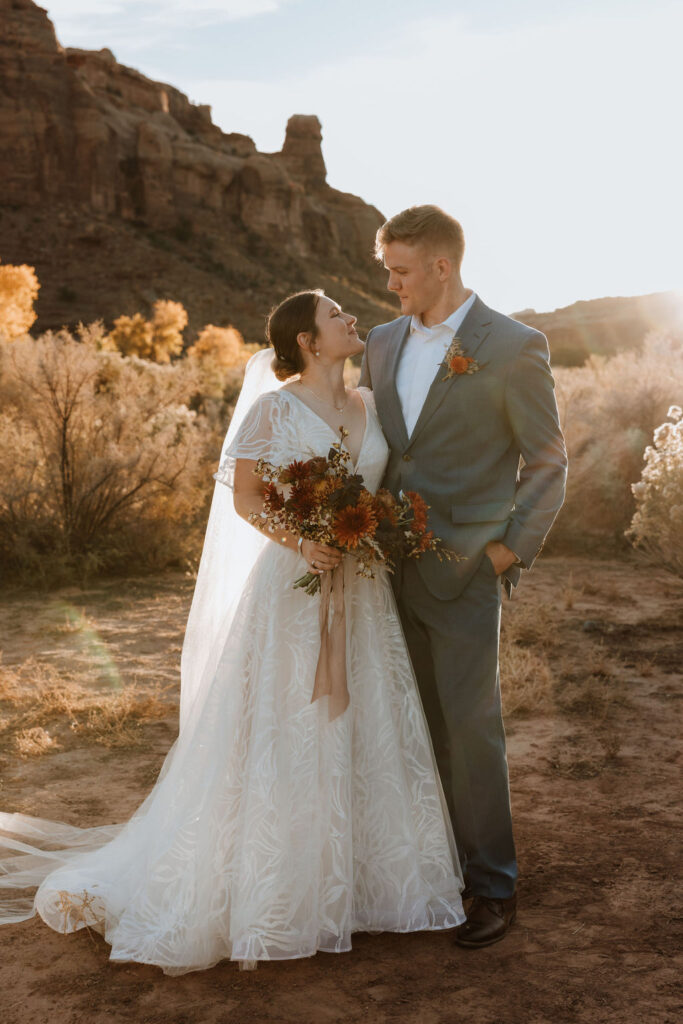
x,y
325,381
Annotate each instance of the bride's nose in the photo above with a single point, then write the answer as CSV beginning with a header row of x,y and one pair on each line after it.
x,y
351,320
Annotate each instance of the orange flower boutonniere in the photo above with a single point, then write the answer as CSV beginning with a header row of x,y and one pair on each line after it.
x,y
456,362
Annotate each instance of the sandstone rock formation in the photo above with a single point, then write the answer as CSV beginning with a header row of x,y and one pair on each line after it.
x,y
99,164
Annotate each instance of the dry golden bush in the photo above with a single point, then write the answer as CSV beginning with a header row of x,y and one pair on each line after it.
x,y
657,526
222,345
36,702
18,292
220,354
101,458
609,409
157,339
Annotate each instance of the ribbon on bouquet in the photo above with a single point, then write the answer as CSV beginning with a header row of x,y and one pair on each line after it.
x,y
330,672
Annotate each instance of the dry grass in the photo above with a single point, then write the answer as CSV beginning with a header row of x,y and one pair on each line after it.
x,y
526,680
527,636
38,702
571,592
34,742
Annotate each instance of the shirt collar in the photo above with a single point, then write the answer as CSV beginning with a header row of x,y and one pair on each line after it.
x,y
451,323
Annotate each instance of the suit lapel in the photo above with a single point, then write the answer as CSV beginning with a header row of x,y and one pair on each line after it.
x,y
389,404
474,329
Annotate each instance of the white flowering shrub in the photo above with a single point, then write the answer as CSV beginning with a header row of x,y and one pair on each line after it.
x,y
101,457
657,525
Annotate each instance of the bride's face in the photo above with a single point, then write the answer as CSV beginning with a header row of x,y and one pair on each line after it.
x,y
337,338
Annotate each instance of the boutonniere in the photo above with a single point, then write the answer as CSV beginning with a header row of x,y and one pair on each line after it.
x,y
456,363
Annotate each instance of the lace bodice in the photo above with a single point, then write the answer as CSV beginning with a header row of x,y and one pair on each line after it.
x,y
280,427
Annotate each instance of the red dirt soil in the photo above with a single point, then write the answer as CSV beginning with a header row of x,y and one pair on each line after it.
x,y
595,785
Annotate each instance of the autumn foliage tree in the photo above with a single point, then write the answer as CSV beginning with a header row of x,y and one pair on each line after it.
x,y
158,339
220,355
18,291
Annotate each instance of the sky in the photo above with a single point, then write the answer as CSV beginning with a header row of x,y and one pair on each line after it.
x,y
551,130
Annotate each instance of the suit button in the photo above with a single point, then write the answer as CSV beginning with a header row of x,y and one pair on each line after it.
x,y
407,458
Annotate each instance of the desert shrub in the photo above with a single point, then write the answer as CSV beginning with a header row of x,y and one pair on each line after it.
x,y
609,409
18,291
657,525
100,458
157,339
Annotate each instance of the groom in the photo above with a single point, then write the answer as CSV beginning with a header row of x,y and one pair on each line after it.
x,y
465,397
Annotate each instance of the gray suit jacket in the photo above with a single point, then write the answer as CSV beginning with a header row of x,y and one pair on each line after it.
x,y
487,452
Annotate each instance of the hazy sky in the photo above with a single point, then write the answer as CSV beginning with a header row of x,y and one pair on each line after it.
x,y
551,130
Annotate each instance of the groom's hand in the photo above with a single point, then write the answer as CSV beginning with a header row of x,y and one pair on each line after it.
x,y
501,556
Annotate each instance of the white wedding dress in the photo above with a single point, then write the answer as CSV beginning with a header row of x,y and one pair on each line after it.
x,y
272,831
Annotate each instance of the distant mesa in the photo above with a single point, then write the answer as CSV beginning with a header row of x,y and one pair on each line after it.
x,y
606,326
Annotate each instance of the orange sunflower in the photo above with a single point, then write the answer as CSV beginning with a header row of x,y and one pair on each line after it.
x,y
353,523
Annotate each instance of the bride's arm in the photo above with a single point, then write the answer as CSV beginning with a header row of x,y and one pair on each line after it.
x,y
248,492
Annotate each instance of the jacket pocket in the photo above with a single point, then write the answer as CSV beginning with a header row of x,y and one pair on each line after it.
x,y
488,512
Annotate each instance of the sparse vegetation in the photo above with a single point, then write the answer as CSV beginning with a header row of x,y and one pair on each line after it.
x,y
107,440
43,710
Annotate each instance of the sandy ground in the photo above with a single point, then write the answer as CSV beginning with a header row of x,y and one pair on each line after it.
x,y
594,781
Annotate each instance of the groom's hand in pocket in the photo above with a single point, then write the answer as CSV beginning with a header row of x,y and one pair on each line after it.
x,y
501,556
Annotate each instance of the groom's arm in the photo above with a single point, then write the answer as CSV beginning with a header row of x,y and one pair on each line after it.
x,y
532,411
365,379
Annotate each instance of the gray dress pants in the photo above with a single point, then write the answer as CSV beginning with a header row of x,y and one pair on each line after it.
x,y
453,646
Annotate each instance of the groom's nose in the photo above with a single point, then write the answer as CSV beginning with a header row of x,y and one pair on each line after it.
x,y
394,283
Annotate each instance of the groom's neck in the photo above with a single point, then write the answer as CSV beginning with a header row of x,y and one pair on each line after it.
x,y
451,300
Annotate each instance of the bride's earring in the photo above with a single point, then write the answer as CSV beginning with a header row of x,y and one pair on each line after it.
x,y
317,353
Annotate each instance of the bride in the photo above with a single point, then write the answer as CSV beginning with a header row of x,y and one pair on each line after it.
x,y
276,827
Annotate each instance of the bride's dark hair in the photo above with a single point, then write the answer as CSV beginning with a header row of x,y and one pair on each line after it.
x,y
294,315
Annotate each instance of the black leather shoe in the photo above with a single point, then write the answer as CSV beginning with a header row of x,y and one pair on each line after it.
x,y
487,921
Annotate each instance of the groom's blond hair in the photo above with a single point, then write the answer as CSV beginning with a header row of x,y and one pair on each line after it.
x,y
429,226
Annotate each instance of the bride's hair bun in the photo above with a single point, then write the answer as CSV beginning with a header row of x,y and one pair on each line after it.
x,y
293,316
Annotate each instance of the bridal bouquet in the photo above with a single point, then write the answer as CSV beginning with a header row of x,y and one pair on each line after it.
x,y
323,500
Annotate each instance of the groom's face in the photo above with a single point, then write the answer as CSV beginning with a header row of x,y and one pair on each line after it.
x,y
413,276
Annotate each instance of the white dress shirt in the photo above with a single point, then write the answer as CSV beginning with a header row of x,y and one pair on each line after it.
x,y
422,353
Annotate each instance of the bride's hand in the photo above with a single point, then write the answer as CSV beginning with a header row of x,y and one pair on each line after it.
x,y
319,556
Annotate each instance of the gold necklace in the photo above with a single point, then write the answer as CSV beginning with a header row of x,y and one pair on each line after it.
x,y
339,408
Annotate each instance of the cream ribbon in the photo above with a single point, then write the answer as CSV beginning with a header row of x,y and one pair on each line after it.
x,y
330,672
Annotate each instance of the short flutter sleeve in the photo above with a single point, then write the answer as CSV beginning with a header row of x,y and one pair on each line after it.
x,y
265,433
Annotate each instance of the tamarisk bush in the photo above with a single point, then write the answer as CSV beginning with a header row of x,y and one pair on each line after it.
x,y
100,457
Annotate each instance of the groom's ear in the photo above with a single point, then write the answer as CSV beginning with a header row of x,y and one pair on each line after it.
x,y
443,267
